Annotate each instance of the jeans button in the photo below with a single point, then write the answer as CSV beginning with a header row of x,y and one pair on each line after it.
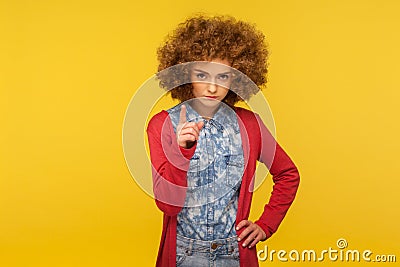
x,y
214,245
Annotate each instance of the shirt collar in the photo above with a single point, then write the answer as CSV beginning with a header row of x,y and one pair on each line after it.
x,y
224,117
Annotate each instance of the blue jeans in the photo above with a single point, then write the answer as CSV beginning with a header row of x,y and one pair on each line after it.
x,y
198,253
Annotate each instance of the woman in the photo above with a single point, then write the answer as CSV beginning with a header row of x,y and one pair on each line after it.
x,y
204,150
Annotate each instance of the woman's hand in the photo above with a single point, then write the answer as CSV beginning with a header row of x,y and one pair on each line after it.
x,y
187,133
253,233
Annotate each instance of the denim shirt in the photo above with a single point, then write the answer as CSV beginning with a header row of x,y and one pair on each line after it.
x,y
214,176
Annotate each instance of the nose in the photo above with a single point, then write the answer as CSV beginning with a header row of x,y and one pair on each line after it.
x,y
212,87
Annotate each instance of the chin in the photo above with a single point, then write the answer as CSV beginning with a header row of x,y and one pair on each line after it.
x,y
209,102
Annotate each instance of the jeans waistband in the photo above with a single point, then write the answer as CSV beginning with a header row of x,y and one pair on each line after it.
x,y
217,246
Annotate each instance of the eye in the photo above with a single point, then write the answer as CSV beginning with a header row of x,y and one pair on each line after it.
x,y
201,76
223,76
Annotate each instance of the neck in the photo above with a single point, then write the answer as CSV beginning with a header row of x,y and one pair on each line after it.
x,y
206,112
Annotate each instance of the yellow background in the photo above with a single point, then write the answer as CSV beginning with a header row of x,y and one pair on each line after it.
x,y
69,68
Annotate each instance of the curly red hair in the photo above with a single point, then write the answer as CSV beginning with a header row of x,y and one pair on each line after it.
x,y
203,38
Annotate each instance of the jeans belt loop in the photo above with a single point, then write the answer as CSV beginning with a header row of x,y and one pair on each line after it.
x,y
190,248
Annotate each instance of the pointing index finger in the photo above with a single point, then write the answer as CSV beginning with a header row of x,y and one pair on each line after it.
x,y
182,115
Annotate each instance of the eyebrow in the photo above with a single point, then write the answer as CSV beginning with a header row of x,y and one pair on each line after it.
x,y
228,72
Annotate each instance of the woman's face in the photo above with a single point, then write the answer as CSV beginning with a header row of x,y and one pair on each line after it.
x,y
211,81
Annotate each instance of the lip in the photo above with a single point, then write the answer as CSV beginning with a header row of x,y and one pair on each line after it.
x,y
212,97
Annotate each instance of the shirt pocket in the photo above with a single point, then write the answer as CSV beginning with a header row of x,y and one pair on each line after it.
x,y
234,170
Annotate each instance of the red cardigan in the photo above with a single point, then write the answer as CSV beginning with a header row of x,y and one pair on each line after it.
x,y
170,163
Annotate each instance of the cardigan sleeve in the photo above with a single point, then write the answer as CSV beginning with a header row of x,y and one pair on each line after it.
x,y
170,163
286,180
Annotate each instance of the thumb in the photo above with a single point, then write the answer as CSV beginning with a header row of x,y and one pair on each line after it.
x,y
200,125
